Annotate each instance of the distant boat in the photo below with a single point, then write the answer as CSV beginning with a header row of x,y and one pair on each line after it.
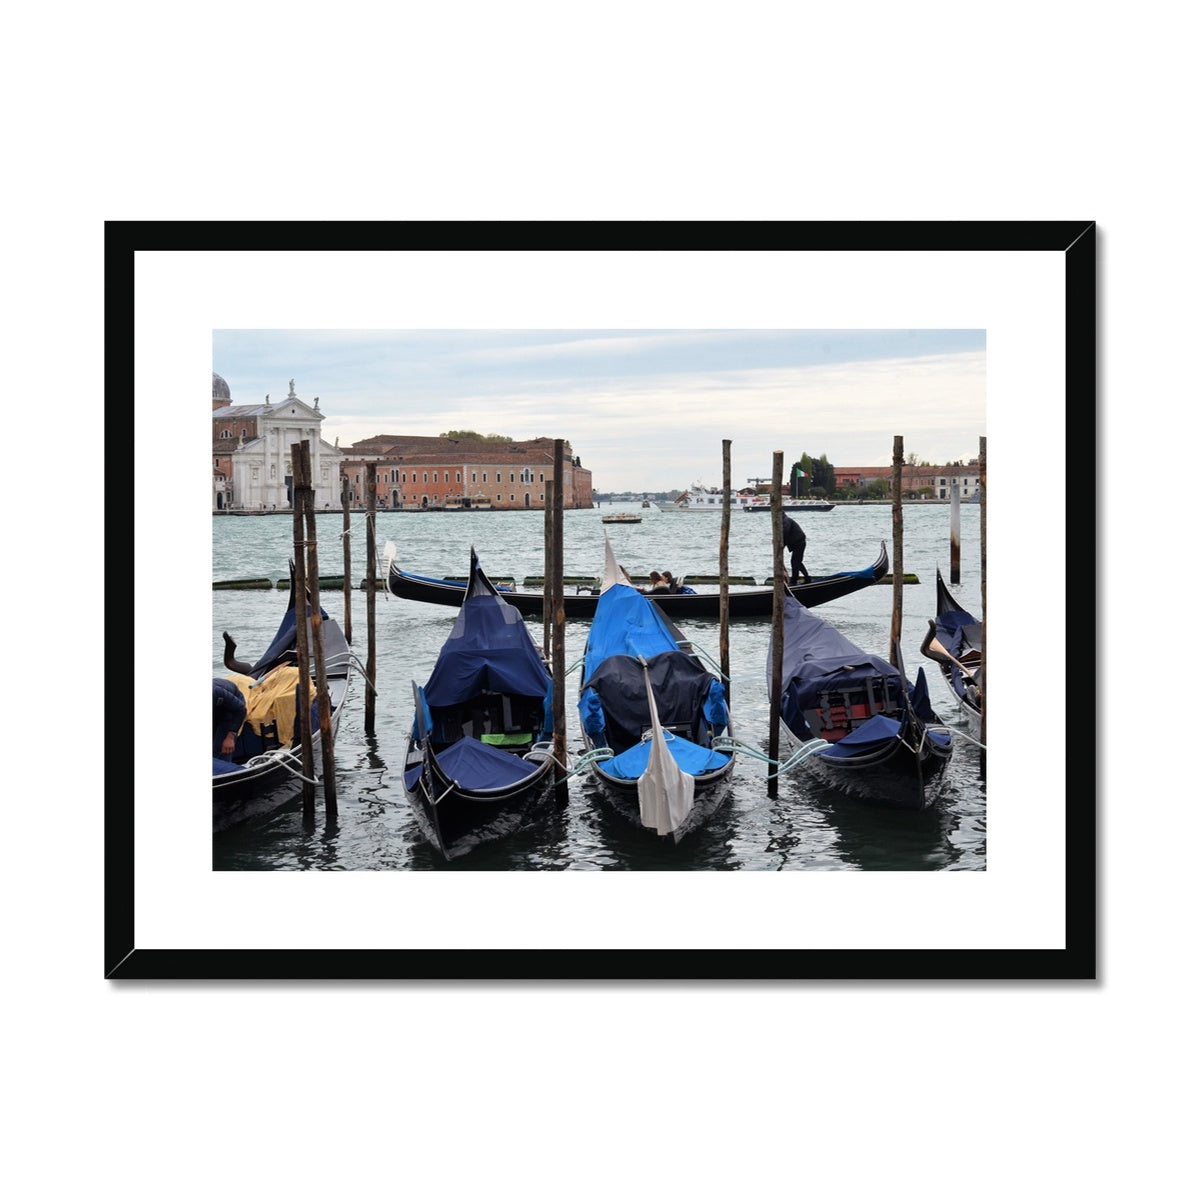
x,y
701,499
791,506
622,518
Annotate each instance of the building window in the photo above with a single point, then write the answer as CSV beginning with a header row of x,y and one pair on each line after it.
x,y
485,478
458,477
473,479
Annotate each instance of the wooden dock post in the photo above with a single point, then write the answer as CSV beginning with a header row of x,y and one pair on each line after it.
x,y
983,591
955,536
559,655
300,598
726,504
369,714
777,578
547,567
346,556
897,548
304,492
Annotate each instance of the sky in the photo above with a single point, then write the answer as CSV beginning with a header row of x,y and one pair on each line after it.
x,y
643,409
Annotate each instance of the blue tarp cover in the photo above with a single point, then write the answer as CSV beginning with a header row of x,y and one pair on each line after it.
x,y
489,649
692,759
223,767
473,764
625,623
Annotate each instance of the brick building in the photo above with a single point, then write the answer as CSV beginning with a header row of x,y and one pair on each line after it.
x,y
433,472
940,481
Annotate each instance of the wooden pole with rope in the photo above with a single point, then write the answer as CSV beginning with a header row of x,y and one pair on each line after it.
x,y
300,599
370,488
726,503
558,639
897,547
346,582
983,592
778,578
308,503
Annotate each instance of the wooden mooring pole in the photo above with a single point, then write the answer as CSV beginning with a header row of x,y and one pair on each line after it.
x,y
547,568
955,536
778,578
369,708
983,591
300,598
308,501
346,589
559,656
726,503
897,548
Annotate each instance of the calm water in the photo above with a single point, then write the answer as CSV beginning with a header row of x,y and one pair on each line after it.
x,y
805,827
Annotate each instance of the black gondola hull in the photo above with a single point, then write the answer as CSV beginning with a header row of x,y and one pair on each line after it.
x,y
895,776
456,820
274,778
743,604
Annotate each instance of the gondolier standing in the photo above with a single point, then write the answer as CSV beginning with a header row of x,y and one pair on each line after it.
x,y
795,541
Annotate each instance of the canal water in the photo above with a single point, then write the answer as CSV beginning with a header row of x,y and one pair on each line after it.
x,y
806,827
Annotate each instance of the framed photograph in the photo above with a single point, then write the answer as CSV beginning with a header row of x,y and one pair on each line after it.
x,y
961,345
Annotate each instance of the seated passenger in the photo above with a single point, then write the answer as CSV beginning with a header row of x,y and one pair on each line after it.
x,y
229,711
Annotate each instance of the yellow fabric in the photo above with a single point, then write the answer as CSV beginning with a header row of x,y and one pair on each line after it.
x,y
271,700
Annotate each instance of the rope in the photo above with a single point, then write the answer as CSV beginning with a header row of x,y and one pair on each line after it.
x,y
966,737
805,751
279,760
712,662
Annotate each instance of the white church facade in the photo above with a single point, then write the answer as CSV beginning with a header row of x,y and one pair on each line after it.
x,y
252,452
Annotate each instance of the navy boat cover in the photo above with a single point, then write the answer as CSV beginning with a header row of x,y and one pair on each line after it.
x,y
817,658
477,766
489,649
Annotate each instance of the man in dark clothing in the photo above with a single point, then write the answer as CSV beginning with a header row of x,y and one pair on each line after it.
x,y
229,711
795,541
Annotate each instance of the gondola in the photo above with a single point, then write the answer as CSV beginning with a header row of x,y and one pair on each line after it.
x,y
478,763
266,766
884,742
955,643
650,712
706,605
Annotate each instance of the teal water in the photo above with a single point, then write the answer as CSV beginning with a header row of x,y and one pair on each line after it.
x,y
805,827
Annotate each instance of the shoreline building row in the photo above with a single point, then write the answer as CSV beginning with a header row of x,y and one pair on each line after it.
x,y
252,469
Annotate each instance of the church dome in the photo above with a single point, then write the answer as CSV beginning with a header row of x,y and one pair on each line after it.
x,y
220,390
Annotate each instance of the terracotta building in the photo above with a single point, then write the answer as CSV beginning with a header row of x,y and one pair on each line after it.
x,y
940,481
436,472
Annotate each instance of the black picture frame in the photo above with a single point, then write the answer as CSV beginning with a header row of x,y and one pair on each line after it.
x,y
1076,959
